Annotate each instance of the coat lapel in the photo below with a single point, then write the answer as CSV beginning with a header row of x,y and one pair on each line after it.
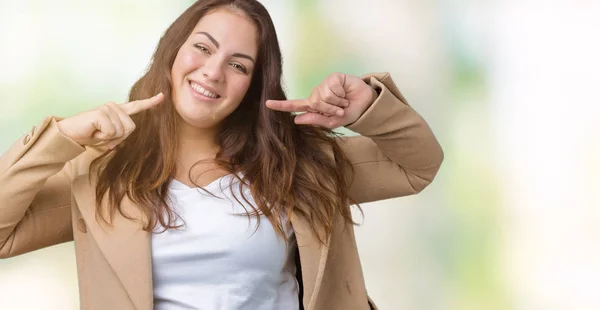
x,y
125,244
127,247
313,257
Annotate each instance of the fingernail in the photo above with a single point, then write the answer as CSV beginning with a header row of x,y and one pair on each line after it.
x,y
340,112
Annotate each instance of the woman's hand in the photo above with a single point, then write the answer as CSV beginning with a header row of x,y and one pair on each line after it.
x,y
108,124
337,101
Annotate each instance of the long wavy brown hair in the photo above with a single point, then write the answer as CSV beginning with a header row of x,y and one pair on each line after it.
x,y
290,169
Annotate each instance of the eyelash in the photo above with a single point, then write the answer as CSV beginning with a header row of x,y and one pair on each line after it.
x,y
237,66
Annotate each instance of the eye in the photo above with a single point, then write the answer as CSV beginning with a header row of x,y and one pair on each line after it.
x,y
239,67
202,48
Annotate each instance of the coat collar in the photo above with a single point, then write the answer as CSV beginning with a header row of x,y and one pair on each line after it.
x,y
127,247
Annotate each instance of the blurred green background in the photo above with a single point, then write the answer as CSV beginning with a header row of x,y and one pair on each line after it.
x,y
511,222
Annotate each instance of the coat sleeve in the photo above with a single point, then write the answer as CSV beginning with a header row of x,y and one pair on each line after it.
x,y
396,153
35,191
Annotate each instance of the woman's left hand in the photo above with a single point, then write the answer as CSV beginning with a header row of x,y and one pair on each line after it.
x,y
337,101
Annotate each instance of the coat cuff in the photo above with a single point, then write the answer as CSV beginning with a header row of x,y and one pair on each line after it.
x,y
45,141
382,109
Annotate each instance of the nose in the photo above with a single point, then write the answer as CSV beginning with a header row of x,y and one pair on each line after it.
x,y
213,70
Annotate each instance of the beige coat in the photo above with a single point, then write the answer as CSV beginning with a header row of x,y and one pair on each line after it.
x,y
46,199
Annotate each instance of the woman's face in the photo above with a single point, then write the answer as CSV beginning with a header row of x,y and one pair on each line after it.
x,y
213,69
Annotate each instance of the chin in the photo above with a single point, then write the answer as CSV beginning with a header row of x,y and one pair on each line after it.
x,y
199,122
201,114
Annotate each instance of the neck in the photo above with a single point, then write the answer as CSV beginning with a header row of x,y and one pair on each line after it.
x,y
196,144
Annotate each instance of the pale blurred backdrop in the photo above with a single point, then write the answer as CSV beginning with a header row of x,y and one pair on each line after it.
x,y
509,87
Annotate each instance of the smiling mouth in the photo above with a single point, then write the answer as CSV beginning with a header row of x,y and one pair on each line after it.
x,y
203,91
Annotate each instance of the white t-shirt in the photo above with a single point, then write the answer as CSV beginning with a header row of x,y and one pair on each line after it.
x,y
218,260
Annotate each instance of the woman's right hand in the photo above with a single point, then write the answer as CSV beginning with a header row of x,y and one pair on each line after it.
x,y
108,124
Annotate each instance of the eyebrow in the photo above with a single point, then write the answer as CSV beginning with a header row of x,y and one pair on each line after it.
x,y
216,43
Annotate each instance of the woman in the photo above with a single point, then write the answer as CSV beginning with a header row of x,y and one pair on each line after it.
x,y
164,195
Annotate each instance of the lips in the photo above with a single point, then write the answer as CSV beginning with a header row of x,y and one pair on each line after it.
x,y
204,90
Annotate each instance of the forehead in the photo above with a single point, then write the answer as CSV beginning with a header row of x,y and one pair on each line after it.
x,y
233,30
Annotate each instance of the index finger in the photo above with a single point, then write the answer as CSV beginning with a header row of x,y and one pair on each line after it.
x,y
137,106
292,105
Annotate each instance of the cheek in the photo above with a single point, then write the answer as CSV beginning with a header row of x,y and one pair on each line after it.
x,y
185,62
239,88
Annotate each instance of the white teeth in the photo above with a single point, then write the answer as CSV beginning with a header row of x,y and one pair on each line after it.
x,y
203,91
